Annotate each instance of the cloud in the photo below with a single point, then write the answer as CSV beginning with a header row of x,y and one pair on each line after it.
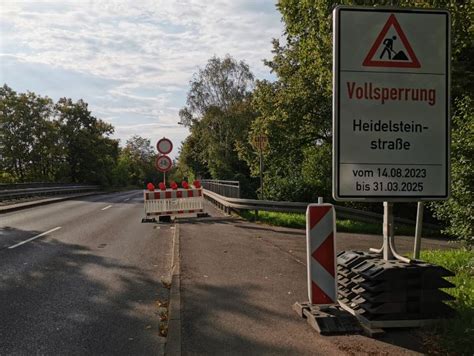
x,y
157,131
130,60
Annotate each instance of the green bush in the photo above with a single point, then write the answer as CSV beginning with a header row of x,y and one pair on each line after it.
x,y
455,336
6,178
458,211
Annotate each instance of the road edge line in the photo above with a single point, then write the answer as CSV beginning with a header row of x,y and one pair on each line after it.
x,y
173,341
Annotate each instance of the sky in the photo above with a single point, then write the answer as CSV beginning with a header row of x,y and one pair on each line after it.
x,y
131,61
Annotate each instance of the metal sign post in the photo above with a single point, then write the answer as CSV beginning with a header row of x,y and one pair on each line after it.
x,y
388,230
418,228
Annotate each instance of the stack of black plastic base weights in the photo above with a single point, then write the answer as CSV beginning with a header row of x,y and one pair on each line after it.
x,y
381,290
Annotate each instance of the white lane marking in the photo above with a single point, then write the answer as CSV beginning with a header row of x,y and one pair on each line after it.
x,y
127,199
35,237
108,206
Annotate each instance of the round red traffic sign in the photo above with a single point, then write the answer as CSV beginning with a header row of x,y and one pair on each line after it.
x,y
164,146
163,163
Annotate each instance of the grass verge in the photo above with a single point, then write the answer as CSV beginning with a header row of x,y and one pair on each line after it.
x,y
454,336
297,220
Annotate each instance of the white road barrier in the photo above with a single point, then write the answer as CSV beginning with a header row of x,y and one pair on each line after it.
x,y
172,202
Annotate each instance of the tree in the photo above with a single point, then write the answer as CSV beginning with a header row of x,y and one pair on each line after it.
x,y
29,137
295,111
89,153
64,142
137,159
192,156
458,211
218,113
220,85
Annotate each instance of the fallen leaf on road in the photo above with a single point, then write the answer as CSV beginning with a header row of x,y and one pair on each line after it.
x,y
163,317
163,329
166,284
162,303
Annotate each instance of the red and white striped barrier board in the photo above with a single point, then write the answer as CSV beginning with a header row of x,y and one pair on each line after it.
x,y
172,194
321,253
173,202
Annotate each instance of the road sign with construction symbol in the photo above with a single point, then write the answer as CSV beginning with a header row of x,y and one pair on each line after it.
x,y
391,104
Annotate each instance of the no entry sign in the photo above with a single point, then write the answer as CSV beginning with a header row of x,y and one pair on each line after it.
x,y
391,104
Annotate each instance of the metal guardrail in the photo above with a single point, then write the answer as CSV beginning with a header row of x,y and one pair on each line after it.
x,y
6,194
226,188
228,204
5,186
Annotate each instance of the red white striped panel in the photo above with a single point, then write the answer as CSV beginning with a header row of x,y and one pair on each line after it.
x,y
321,254
172,194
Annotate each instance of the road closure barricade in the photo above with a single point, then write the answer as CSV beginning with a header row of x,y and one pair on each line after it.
x,y
172,202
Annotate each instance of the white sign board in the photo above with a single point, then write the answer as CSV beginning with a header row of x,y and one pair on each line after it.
x,y
391,104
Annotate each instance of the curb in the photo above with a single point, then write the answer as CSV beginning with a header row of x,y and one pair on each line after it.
x,y
27,205
173,342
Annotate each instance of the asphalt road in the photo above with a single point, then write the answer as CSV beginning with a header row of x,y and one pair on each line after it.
x,y
239,281
83,277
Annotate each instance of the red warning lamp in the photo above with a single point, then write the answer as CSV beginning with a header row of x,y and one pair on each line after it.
x,y
162,186
150,187
185,184
197,184
174,186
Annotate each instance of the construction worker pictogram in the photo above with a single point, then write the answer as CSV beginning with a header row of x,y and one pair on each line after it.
x,y
391,48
